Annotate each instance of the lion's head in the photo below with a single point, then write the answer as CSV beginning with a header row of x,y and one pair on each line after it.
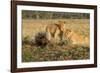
x,y
61,25
68,33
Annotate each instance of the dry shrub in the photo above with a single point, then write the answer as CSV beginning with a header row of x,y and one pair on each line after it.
x,y
41,39
26,40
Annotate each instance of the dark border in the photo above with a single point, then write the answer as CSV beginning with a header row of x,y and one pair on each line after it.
x,y
14,35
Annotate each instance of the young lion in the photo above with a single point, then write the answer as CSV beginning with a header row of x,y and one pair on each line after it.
x,y
76,38
55,31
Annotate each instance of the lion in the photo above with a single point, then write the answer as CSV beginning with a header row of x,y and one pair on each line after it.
x,y
75,38
55,31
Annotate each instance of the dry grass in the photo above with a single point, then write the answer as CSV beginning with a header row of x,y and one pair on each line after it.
x,y
53,52
31,27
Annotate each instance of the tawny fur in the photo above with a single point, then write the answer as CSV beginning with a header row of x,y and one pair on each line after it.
x,y
55,31
76,38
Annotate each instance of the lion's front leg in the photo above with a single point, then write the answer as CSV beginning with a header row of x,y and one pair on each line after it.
x,y
56,36
48,35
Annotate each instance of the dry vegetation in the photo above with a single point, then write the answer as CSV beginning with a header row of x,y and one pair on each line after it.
x,y
52,52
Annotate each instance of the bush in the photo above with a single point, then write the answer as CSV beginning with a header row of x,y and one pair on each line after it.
x,y
26,40
64,42
41,39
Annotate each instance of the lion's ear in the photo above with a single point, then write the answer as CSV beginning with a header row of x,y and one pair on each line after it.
x,y
64,22
70,30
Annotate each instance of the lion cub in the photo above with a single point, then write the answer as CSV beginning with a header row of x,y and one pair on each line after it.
x,y
76,38
55,31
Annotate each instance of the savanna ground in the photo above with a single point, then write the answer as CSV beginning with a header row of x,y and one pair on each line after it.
x,y
53,52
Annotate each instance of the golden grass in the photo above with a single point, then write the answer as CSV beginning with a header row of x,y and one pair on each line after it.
x,y
54,52
31,26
